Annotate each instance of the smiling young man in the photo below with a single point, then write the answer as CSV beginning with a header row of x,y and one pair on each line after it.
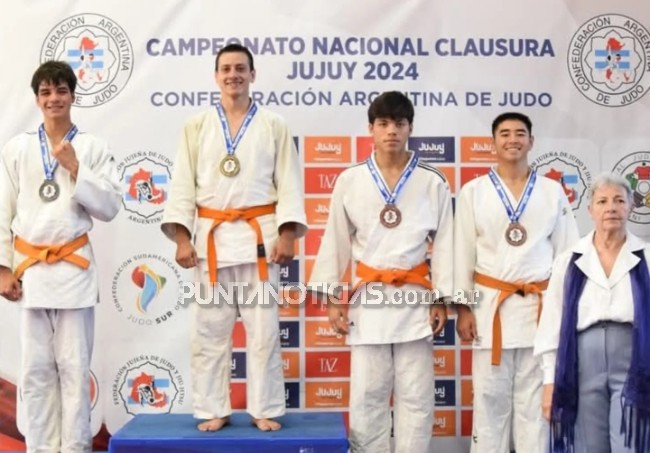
x,y
53,182
383,215
237,176
509,227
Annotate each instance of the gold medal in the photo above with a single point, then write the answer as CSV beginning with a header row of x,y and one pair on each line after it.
x,y
516,234
229,166
390,216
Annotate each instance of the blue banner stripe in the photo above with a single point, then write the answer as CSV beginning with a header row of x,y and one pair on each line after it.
x,y
604,64
78,52
156,179
160,383
604,53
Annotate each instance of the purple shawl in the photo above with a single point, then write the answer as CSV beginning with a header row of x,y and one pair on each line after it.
x,y
635,399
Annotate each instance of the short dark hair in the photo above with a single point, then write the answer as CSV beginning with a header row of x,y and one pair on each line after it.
x,y
231,48
54,72
393,105
516,116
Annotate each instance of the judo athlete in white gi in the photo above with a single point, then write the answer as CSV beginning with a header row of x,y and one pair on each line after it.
x,y
384,213
509,226
237,168
52,183
594,334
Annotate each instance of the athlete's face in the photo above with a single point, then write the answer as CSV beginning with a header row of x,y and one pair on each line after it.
x,y
390,135
512,141
54,101
234,74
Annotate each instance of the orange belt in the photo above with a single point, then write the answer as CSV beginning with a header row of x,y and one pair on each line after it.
x,y
507,289
417,276
231,215
50,254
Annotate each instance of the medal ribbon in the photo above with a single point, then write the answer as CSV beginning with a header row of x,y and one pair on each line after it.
x,y
379,182
231,145
49,166
513,214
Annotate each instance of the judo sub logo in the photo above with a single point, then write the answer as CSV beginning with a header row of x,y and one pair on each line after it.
x,y
143,287
148,385
98,50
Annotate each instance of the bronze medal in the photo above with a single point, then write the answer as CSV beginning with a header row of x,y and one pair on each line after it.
x,y
516,234
390,216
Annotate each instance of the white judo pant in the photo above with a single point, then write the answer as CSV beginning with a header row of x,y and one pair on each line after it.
x,y
406,370
55,379
508,403
212,348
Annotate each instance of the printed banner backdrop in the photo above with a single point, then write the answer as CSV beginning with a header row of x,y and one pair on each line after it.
x,y
581,70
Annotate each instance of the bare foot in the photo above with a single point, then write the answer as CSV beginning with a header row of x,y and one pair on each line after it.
x,y
213,425
266,424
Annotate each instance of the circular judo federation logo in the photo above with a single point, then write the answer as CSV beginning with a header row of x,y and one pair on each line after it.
x,y
98,50
568,170
148,385
635,168
608,60
145,177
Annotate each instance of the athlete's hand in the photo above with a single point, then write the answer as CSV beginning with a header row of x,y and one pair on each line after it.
x,y
437,317
338,316
547,401
283,250
186,254
466,323
64,153
10,287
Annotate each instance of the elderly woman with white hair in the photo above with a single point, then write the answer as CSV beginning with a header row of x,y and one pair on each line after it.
x,y
594,334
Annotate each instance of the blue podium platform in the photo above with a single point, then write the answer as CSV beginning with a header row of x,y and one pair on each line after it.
x,y
322,432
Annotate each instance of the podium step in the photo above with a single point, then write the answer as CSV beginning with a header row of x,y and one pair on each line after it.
x,y
322,432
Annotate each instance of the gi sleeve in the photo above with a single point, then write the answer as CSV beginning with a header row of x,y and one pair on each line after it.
x,y
336,245
181,205
465,238
565,233
287,177
547,336
97,187
8,197
442,258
